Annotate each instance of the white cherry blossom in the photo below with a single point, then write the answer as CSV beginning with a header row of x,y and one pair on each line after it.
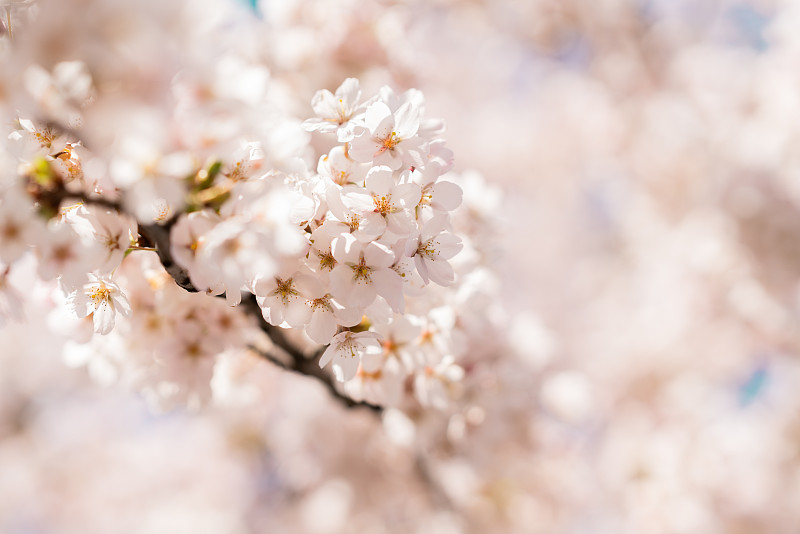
x,y
281,299
434,248
391,138
335,112
324,314
384,204
346,350
340,169
363,272
102,299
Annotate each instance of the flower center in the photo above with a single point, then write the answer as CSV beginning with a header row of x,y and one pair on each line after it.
x,y
361,272
99,295
390,142
427,249
353,222
322,303
284,290
326,260
383,204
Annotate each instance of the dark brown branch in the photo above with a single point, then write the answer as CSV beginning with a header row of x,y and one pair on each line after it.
x,y
299,362
158,236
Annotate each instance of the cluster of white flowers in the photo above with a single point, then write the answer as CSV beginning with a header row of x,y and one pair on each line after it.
x,y
348,254
630,364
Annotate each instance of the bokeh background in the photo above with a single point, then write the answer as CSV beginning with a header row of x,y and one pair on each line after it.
x,y
642,160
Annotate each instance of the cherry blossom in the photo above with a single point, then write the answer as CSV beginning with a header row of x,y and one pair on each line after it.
x,y
346,351
434,247
101,299
336,112
384,205
391,137
363,272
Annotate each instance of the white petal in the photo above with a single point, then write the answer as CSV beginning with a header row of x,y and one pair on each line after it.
x,y
440,272
378,256
325,104
321,327
298,312
371,227
379,180
379,119
447,196
407,195
407,120
103,318
345,366
389,285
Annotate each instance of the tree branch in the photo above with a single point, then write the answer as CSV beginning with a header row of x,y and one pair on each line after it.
x,y
158,236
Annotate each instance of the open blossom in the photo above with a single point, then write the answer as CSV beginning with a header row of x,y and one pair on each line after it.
x,y
437,196
363,272
340,169
383,204
111,231
336,111
350,220
346,350
434,248
101,299
324,314
282,300
391,138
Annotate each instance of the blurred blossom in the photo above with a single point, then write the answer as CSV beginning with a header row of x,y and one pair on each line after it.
x,y
609,341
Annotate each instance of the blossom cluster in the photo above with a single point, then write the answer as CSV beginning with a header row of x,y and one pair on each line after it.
x,y
347,252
